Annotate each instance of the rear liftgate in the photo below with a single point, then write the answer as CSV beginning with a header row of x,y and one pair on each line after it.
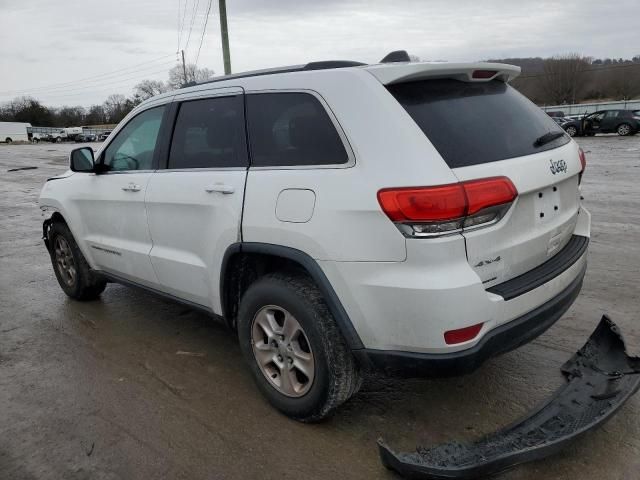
x,y
600,378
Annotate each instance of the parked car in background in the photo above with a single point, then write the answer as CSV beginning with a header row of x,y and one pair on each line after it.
x,y
560,120
104,135
622,122
86,137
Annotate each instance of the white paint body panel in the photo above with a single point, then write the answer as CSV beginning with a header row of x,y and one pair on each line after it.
x,y
191,228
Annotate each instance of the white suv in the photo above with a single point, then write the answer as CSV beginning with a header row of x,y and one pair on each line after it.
x,y
413,218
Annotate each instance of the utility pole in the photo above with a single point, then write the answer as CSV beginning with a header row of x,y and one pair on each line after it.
x,y
184,68
224,32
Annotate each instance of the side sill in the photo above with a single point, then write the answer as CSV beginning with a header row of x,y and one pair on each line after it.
x,y
128,283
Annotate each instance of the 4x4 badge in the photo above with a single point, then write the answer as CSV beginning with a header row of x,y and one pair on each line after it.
x,y
558,166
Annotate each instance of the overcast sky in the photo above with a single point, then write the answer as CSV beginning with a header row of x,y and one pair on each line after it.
x,y
77,52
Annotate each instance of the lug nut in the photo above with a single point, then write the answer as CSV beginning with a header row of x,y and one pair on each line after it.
x,y
290,360
279,358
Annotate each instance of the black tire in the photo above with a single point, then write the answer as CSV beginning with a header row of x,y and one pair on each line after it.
x,y
336,376
624,129
85,285
572,131
8,140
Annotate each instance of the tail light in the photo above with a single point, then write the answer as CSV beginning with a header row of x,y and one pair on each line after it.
x,y
583,163
485,74
451,337
445,209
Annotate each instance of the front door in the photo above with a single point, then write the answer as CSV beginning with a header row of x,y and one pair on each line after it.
x,y
194,206
592,122
111,204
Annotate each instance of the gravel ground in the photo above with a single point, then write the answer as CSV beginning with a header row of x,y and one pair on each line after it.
x,y
97,390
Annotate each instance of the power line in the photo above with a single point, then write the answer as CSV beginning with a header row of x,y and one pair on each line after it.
x,y
184,15
193,19
82,80
204,30
92,87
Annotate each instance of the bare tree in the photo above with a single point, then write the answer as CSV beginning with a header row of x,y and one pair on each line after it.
x,y
194,74
115,107
624,83
149,88
562,77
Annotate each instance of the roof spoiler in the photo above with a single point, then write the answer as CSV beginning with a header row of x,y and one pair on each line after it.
x,y
390,73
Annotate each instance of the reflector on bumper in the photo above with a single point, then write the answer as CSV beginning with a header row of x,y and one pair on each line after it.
x,y
600,378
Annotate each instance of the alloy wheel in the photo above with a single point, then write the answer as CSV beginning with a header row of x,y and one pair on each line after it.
x,y
65,264
624,129
282,351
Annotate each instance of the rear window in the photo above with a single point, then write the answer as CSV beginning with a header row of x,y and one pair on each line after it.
x,y
473,123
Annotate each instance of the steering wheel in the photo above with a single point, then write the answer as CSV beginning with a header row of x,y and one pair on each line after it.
x,y
123,157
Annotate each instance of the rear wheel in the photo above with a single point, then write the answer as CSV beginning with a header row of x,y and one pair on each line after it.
x,y
572,131
72,270
294,348
8,140
624,129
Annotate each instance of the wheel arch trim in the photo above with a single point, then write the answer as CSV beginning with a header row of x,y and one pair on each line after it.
x,y
312,268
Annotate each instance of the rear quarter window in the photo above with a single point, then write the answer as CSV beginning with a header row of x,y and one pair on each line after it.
x,y
291,129
473,123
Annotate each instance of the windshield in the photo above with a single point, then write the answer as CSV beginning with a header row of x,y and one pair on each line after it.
x,y
473,123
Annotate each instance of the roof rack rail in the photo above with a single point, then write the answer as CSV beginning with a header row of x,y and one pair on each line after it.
x,y
323,65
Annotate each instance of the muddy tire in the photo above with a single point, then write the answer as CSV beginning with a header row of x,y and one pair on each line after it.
x,y
72,270
296,353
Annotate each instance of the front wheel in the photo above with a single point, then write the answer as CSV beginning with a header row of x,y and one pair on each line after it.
x,y
72,270
572,131
624,129
294,348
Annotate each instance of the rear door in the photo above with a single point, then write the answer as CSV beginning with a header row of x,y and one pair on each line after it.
x,y
488,129
610,121
194,205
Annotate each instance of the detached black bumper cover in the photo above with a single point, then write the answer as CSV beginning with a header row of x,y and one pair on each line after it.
x,y
600,378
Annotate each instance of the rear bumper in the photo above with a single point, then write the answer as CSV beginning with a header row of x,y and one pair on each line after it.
x,y
500,340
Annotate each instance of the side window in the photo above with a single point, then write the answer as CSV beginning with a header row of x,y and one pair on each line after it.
x,y
209,134
134,145
612,114
291,129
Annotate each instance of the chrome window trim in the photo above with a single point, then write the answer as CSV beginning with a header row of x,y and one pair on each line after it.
x,y
204,169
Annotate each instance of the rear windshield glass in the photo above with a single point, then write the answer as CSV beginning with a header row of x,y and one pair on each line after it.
x,y
473,123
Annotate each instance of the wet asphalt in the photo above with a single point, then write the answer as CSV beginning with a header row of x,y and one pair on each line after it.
x,y
105,390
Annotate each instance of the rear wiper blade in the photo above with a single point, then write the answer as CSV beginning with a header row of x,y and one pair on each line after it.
x,y
546,138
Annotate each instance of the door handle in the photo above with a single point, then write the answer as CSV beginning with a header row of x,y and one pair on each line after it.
x,y
132,187
220,188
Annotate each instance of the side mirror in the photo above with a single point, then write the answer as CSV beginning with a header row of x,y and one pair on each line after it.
x,y
81,160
